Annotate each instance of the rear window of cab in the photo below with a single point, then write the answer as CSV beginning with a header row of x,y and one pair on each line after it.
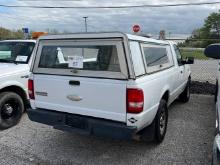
x,y
96,58
89,58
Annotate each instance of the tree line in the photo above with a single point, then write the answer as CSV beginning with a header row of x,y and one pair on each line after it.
x,y
6,34
209,33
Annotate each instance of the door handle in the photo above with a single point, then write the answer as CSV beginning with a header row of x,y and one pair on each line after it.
x,y
74,83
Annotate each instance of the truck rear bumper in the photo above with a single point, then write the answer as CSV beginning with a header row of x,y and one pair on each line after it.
x,y
82,124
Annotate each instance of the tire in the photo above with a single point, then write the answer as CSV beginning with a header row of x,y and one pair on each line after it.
x,y
161,121
216,91
11,109
153,131
185,95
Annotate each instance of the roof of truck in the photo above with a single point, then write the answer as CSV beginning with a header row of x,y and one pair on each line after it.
x,y
145,39
105,35
18,41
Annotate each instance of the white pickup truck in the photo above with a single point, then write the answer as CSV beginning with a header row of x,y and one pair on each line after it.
x,y
14,72
107,84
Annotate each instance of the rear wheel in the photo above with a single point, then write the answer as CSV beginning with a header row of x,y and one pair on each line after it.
x,y
185,95
157,130
161,121
11,109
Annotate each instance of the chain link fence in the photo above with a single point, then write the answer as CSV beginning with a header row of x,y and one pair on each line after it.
x,y
204,71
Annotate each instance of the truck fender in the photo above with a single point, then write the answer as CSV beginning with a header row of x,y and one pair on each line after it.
x,y
12,83
164,91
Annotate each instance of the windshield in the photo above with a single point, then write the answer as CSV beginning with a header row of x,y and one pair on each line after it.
x,y
16,52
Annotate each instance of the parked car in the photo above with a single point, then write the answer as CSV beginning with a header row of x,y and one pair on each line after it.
x,y
14,65
213,51
107,84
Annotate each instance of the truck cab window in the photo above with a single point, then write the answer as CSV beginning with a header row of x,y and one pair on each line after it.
x,y
155,56
178,54
19,52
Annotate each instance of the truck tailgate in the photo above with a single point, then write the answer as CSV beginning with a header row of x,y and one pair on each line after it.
x,y
101,98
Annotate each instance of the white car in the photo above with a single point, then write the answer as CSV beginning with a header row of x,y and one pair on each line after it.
x,y
213,51
107,84
15,69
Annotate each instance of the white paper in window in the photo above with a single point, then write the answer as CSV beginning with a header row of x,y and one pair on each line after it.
x,y
75,62
21,58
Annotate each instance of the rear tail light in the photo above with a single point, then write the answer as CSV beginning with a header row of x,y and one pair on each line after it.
x,y
135,100
31,89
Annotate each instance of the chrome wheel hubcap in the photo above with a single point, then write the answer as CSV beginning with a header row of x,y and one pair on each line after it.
x,y
8,109
162,122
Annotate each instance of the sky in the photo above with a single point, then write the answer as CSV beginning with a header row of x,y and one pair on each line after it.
x,y
174,20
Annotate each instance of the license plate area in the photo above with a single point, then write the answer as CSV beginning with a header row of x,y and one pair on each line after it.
x,y
76,122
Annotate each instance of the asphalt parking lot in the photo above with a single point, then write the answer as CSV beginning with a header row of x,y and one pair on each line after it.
x,y
188,141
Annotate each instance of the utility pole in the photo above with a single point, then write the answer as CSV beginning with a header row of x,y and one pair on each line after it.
x,y
169,34
85,23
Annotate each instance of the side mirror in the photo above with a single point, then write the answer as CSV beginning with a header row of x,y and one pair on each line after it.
x,y
213,51
188,60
